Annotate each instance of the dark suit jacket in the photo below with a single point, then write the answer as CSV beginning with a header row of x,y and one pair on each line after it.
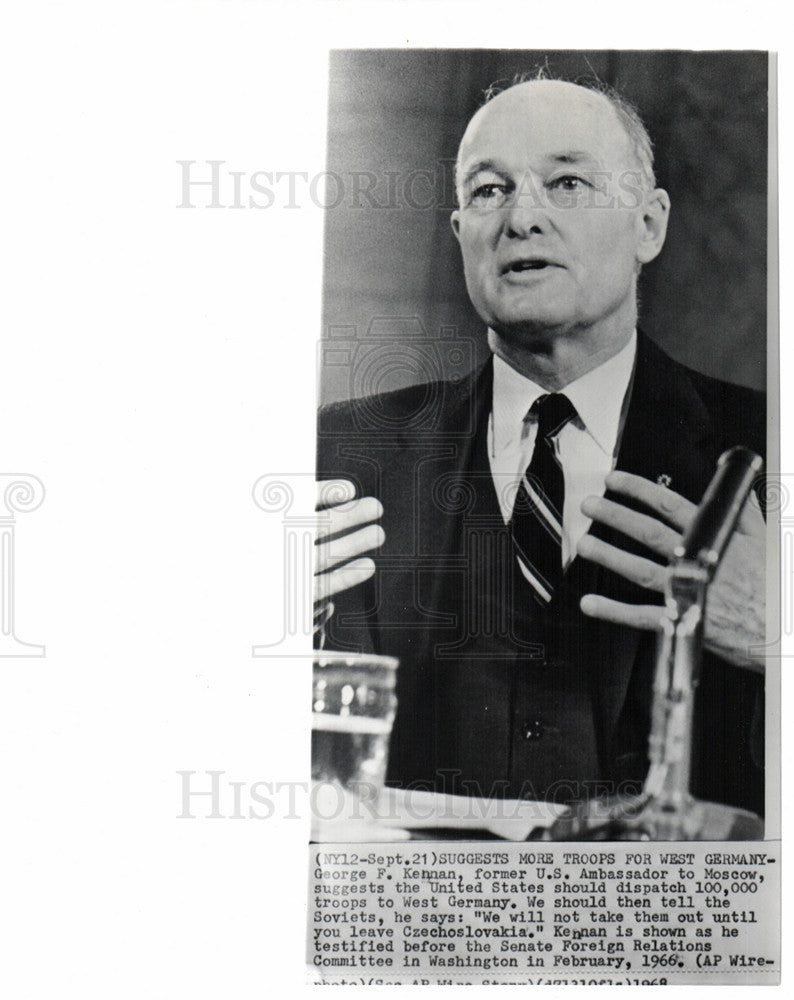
x,y
416,450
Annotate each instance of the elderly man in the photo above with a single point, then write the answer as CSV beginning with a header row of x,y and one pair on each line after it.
x,y
505,535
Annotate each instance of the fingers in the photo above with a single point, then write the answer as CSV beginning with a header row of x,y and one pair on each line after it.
x,y
346,532
671,506
331,492
346,517
323,610
333,552
731,597
353,573
675,508
650,531
641,616
644,572
658,537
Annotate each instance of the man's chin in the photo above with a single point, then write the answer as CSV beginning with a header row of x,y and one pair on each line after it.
x,y
529,315
531,331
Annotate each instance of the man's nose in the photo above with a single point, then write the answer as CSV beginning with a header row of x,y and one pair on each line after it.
x,y
526,214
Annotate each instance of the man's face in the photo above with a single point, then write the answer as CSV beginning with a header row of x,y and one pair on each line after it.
x,y
551,218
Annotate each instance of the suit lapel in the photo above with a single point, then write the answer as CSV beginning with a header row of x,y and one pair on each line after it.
x,y
426,493
668,432
668,429
451,486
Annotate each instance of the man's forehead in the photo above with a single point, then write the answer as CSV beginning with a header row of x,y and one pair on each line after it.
x,y
546,118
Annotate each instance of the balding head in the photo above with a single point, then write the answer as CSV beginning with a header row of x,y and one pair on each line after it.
x,y
601,102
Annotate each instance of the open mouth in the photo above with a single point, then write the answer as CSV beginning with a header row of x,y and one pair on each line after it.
x,y
527,264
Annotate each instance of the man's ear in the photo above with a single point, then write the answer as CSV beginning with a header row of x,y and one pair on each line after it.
x,y
653,225
454,221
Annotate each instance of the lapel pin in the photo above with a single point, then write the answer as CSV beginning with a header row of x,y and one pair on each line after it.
x,y
664,480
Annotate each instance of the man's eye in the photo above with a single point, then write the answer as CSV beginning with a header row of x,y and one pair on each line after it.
x,y
492,195
568,191
568,182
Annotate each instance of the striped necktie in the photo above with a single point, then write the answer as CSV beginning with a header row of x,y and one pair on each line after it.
x,y
536,524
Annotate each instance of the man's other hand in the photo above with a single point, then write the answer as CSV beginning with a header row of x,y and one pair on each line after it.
x,y
346,531
735,607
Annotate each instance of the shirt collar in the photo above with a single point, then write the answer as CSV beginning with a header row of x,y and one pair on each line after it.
x,y
597,396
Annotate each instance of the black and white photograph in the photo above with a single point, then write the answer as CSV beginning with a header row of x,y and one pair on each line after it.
x,y
396,498
521,589
541,562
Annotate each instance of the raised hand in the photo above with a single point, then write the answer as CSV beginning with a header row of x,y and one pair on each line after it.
x,y
736,604
346,531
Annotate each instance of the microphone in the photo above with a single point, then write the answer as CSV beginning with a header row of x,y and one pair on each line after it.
x,y
665,809
707,536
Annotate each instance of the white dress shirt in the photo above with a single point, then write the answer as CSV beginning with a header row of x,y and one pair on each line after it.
x,y
586,446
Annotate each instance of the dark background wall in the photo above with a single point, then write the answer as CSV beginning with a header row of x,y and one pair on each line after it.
x,y
395,303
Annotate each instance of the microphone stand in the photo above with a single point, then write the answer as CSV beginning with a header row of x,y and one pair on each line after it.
x,y
665,809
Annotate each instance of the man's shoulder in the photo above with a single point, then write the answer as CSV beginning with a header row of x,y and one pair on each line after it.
x,y
363,410
419,407
715,389
728,398
729,405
